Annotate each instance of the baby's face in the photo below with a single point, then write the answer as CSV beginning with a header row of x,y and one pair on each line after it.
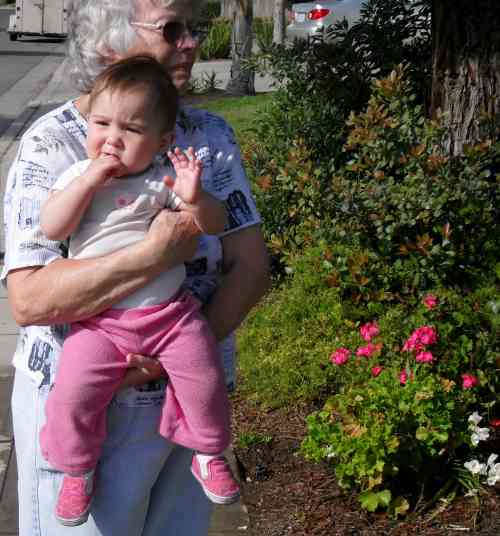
x,y
120,126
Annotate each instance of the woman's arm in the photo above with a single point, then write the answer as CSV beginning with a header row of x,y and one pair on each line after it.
x,y
246,279
68,290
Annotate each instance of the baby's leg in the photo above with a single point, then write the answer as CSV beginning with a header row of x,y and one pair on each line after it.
x,y
196,409
89,372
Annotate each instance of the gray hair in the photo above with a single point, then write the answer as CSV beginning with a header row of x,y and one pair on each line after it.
x,y
98,28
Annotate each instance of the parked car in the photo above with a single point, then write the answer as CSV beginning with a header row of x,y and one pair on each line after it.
x,y
311,19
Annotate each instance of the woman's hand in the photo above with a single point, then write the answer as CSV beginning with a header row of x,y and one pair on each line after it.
x,y
174,235
142,369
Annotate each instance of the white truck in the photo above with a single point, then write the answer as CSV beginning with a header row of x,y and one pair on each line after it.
x,y
38,17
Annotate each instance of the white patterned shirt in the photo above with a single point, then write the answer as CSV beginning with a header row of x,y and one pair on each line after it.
x,y
54,143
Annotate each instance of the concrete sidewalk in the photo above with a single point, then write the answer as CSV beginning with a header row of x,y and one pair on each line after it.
x,y
227,520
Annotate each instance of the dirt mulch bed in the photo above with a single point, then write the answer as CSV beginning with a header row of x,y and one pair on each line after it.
x,y
287,495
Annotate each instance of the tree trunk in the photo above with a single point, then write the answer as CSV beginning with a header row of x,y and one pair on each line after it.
x,y
279,22
466,69
242,80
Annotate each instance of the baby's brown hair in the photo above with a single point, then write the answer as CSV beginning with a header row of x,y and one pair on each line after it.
x,y
144,74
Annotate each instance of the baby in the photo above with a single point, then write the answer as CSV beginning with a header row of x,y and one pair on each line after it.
x,y
105,203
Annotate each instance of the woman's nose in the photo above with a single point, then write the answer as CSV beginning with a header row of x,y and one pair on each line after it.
x,y
187,41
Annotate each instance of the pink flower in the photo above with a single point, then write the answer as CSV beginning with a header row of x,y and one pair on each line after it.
x,y
424,357
469,381
420,338
376,371
340,356
369,330
369,350
403,377
427,335
430,301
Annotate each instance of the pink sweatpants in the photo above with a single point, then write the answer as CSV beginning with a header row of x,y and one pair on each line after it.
x,y
92,366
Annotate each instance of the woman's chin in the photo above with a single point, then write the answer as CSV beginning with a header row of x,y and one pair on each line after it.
x,y
180,77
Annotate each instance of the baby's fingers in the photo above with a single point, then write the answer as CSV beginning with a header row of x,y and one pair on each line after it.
x,y
169,181
178,157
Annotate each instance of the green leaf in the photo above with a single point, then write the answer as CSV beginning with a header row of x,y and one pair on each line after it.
x,y
421,434
369,500
384,498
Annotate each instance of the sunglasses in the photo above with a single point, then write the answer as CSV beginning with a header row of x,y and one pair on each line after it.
x,y
175,32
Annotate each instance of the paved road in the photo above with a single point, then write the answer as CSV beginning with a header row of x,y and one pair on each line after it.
x,y
32,57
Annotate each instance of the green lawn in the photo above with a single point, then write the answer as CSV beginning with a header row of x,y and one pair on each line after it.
x,y
239,112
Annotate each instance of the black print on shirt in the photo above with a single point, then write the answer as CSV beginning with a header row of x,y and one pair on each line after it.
x,y
237,209
29,211
39,359
197,267
151,387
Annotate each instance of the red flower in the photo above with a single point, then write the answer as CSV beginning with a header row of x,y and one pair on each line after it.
x,y
430,301
403,377
424,357
469,381
369,330
340,356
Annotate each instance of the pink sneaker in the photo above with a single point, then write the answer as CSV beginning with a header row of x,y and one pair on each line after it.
x,y
216,478
73,501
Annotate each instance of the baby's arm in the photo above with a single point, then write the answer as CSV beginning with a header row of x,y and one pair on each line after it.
x,y
209,213
63,210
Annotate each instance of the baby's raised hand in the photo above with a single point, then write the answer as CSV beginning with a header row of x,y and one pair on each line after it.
x,y
188,169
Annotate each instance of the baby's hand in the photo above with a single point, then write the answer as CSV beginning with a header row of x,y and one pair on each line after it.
x,y
188,169
101,170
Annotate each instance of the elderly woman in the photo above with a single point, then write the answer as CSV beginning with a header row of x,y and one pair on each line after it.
x,y
145,487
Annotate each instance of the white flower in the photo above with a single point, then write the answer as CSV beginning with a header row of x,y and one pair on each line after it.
x,y
494,474
475,467
492,458
472,492
329,452
475,418
479,434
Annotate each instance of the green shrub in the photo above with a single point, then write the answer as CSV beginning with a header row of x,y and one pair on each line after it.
x,y
388,440
217,44
321,83
424,219
432,220
211,10
284,341
263,32
397,419
369,240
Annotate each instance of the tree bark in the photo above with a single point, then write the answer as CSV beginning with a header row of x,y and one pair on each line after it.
x,y
466,69
279,22
242,81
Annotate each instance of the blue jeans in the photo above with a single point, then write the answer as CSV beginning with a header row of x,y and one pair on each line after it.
x,y
144,483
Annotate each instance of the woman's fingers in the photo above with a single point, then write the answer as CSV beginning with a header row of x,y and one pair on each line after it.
x,y
142,369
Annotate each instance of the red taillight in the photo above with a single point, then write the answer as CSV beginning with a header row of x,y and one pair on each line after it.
x,y
316,14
